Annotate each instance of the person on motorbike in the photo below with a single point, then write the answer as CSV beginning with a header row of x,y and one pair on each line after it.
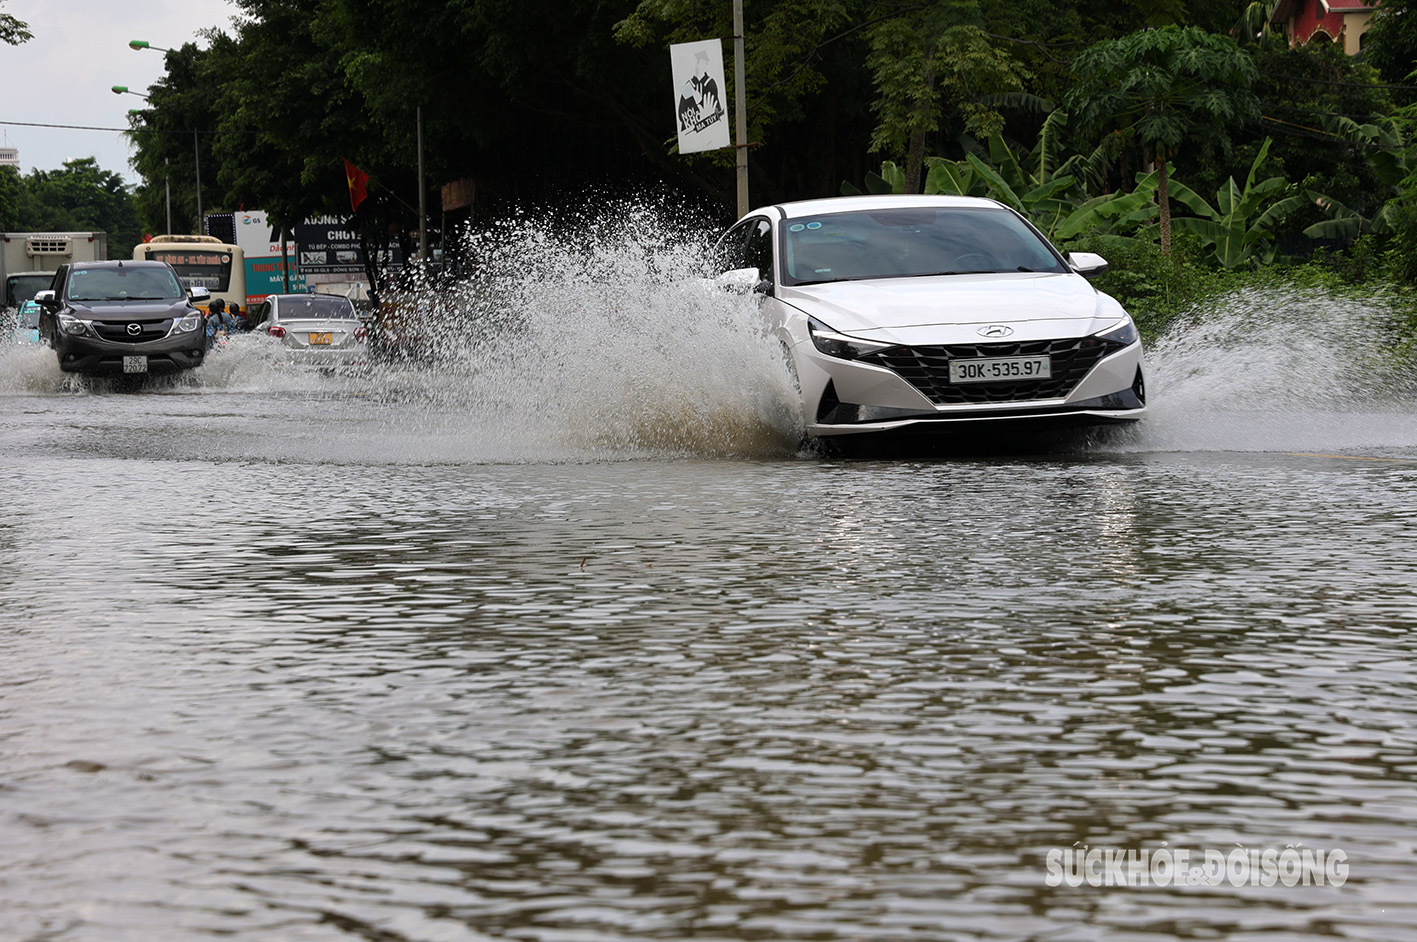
x,y
220,324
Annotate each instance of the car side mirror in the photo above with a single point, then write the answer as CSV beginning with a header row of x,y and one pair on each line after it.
x,y
199,293
1087,264
46,298
744,280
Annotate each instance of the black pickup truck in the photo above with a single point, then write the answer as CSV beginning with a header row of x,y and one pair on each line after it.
x,y
122,318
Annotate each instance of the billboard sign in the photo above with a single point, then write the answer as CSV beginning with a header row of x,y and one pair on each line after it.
x,y
329,247
698,79
260,243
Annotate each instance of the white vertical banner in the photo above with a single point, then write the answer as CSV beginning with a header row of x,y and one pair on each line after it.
x,y
698,82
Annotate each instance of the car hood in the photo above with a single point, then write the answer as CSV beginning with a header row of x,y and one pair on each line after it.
x,y
913,310
129,310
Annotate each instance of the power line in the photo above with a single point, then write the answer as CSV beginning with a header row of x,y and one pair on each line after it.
x,y
1319,81
87,127
67,127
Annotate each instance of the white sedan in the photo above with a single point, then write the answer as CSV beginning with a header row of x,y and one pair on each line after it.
x,y
318,328
925,313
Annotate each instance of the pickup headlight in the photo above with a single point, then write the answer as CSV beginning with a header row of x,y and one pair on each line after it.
x,y
188,323
834,344
72,325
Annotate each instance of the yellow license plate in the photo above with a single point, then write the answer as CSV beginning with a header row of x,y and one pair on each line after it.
x,y
321,339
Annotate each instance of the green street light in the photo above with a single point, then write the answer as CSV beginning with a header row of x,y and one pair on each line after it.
x,y
144,44
125,90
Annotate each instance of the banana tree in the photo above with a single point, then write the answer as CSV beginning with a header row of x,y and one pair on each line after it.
x,y
1389,158
1239,228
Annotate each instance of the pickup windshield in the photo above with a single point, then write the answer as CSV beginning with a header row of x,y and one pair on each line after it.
x,y
124,284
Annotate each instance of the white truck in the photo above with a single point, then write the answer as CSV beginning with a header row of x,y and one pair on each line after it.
x,y
28,260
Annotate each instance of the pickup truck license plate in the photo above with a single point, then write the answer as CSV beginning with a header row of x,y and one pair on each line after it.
x,y
1000,369
135,364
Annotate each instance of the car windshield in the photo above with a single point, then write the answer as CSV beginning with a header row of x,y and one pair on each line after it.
x,y
908,242
323,308
29,315
124,284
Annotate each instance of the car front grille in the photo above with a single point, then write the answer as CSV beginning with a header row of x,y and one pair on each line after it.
x,y
928,368
118,332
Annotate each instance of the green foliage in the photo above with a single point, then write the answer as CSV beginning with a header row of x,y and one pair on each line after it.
x,y
1391,44
174,134
929,61
1400,259
11,194
13,31
80,197
1155,289
1164,88
1239,228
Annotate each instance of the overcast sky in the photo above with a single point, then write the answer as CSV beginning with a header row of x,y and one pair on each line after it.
x,y
64,75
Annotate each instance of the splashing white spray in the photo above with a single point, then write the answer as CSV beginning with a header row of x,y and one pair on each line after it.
x,y
1279,370
598,337
604,335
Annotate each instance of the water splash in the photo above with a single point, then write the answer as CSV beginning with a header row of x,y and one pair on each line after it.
x,y
603,333
1279,370
597,337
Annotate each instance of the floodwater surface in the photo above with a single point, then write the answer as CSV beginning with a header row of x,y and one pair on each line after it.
x,y
449,654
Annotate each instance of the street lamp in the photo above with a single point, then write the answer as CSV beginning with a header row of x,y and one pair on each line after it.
x,y
144,44
196,151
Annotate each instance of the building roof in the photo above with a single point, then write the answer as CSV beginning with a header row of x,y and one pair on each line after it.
x,y
1284,9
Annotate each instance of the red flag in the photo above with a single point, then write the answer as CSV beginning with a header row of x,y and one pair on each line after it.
x,y
356,179
147,237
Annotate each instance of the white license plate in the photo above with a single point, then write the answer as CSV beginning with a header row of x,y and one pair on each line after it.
x,y
1000,369
135,364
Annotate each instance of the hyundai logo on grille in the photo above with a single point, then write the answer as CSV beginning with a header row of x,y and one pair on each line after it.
x,y
134,330
995,330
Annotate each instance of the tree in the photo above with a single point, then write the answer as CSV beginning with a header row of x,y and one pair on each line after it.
x,y
81,196
1391,45
1239,228
925,63
173,136
11,193
287,115
12,31
1164,88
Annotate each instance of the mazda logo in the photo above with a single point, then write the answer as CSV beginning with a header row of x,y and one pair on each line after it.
x,y
134,330
995,330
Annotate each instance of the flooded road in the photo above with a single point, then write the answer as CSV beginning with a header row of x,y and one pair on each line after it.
x,y
295,656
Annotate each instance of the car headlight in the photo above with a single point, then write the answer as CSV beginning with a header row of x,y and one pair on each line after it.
x,y
834,344
72,325
1123,335
188,323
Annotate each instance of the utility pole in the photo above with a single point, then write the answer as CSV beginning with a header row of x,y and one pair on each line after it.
x,y
740,108
197,156
422,196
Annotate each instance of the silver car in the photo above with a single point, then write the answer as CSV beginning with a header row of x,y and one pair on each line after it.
x,y
319,328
